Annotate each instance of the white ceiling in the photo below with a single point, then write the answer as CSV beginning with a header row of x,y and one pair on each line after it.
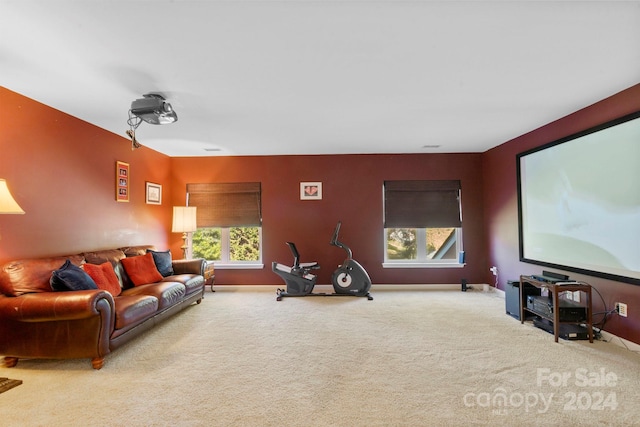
x,y
321,77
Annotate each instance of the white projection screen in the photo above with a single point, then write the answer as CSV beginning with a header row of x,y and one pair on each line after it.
x,y
579,202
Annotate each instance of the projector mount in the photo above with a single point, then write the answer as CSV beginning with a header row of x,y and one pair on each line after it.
x,y
152,108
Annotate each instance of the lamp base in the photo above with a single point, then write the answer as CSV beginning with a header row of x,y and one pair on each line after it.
x,y
184,246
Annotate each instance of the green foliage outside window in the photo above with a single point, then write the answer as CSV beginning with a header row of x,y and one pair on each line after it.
x,y
401,243
207,243
244,244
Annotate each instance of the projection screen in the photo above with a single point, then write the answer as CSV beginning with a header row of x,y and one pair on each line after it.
x,y
579,202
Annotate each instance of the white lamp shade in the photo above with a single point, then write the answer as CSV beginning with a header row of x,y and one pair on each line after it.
x,y
7,203
184,219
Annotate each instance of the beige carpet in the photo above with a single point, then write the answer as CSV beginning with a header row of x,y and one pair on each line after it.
x,y
408,358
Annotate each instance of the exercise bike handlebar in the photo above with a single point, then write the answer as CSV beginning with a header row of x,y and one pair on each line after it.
x,y
336,242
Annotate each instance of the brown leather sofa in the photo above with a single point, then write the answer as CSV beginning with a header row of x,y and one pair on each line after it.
x,y
38,322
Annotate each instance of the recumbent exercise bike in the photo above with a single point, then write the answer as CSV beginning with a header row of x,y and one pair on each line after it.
x,y
349,279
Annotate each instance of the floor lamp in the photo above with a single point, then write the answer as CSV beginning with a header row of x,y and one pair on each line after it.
x,y
8,204
184,221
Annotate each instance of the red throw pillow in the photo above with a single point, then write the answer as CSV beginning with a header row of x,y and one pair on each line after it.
x,y
141,269
104,276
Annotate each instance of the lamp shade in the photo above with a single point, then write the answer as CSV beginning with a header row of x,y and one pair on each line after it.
x,y
184,219
7,203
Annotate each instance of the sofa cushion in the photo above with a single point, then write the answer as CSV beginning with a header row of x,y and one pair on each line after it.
x,y
167,293
141,269
104,276
192,282
102,256
132,309
31,275
70,277
113,256
137,250
163,262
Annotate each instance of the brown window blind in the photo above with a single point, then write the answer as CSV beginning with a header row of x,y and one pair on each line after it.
x,y
422,204
226,204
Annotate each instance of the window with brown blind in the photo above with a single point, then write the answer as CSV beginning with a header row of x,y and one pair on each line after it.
x,y
422,223
422,204
229,220
226,204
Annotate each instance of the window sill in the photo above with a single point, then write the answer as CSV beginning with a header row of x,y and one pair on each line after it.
x,y
422,265
237,266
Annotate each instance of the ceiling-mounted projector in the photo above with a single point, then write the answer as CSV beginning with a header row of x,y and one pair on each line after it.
x,y
154,109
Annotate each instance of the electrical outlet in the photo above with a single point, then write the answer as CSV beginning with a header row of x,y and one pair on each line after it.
x,y
576,296
621,308
494,270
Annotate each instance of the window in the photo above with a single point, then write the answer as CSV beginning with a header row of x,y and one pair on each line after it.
x,y
422,223
436,245
228,244
229,223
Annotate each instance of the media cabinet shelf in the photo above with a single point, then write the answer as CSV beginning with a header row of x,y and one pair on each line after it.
x,y
554,292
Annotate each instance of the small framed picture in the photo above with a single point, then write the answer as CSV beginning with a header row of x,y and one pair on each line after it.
x,y
122,182
154,193
310,191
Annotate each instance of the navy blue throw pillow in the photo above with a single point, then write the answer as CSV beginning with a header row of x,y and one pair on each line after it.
x,y
163,262
70,277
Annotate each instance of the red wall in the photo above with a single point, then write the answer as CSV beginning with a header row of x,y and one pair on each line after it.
x,y
501,216
352,193
61,171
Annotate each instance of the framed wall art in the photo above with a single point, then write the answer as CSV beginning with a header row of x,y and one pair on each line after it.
x,y
310,191
154,194
122,182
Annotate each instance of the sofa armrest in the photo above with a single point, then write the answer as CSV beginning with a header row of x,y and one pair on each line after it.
x,y
51,306
57,325
189,266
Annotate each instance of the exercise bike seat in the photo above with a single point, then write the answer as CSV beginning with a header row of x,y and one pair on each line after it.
x,y
309,265
296,259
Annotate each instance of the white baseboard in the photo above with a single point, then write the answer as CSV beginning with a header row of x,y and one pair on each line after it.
x,y
375,287
415,287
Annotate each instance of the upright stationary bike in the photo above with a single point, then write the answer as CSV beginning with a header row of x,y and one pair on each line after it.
x,y
349,279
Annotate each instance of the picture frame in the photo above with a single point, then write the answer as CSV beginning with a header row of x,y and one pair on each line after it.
x,y
122,181
154,193
311,191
